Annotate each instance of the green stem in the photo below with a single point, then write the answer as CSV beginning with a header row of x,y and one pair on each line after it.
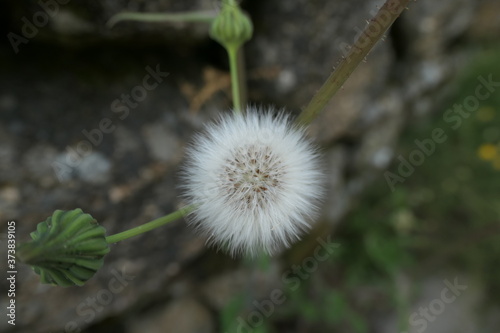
x,y
232,52
373,32
198,16
150,225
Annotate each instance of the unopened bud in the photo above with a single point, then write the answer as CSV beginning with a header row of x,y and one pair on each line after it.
x,y
67,249
232,27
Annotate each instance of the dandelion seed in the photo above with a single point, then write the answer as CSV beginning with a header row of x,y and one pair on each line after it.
x,y
256,182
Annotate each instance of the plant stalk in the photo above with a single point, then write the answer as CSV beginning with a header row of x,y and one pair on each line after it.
x,y
372,33
150,225
234,68
197,16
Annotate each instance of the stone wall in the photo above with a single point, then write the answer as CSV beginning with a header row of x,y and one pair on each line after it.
x,y
57,151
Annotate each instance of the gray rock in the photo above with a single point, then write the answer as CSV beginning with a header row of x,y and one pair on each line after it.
x,y
184,315
94,168
38,163
163,145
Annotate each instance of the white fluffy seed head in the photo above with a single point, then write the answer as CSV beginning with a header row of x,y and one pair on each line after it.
x,y
256,181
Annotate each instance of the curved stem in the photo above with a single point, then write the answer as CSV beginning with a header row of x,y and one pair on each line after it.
x,y
372,33
150,225
232,52
197,16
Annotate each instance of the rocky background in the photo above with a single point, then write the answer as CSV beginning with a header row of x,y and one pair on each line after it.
x,y
65,74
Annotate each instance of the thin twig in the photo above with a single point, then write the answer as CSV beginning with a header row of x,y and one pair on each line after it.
x,y
206,16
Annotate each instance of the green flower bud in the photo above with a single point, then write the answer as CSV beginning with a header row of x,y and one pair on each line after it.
x,y
232,27
67,249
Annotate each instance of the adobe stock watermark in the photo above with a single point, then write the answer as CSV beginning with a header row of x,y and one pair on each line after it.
x,y
30,28
92,305
121,107
428,314
292,279
453,116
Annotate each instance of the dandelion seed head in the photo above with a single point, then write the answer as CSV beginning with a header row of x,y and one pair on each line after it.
x,y
256,181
